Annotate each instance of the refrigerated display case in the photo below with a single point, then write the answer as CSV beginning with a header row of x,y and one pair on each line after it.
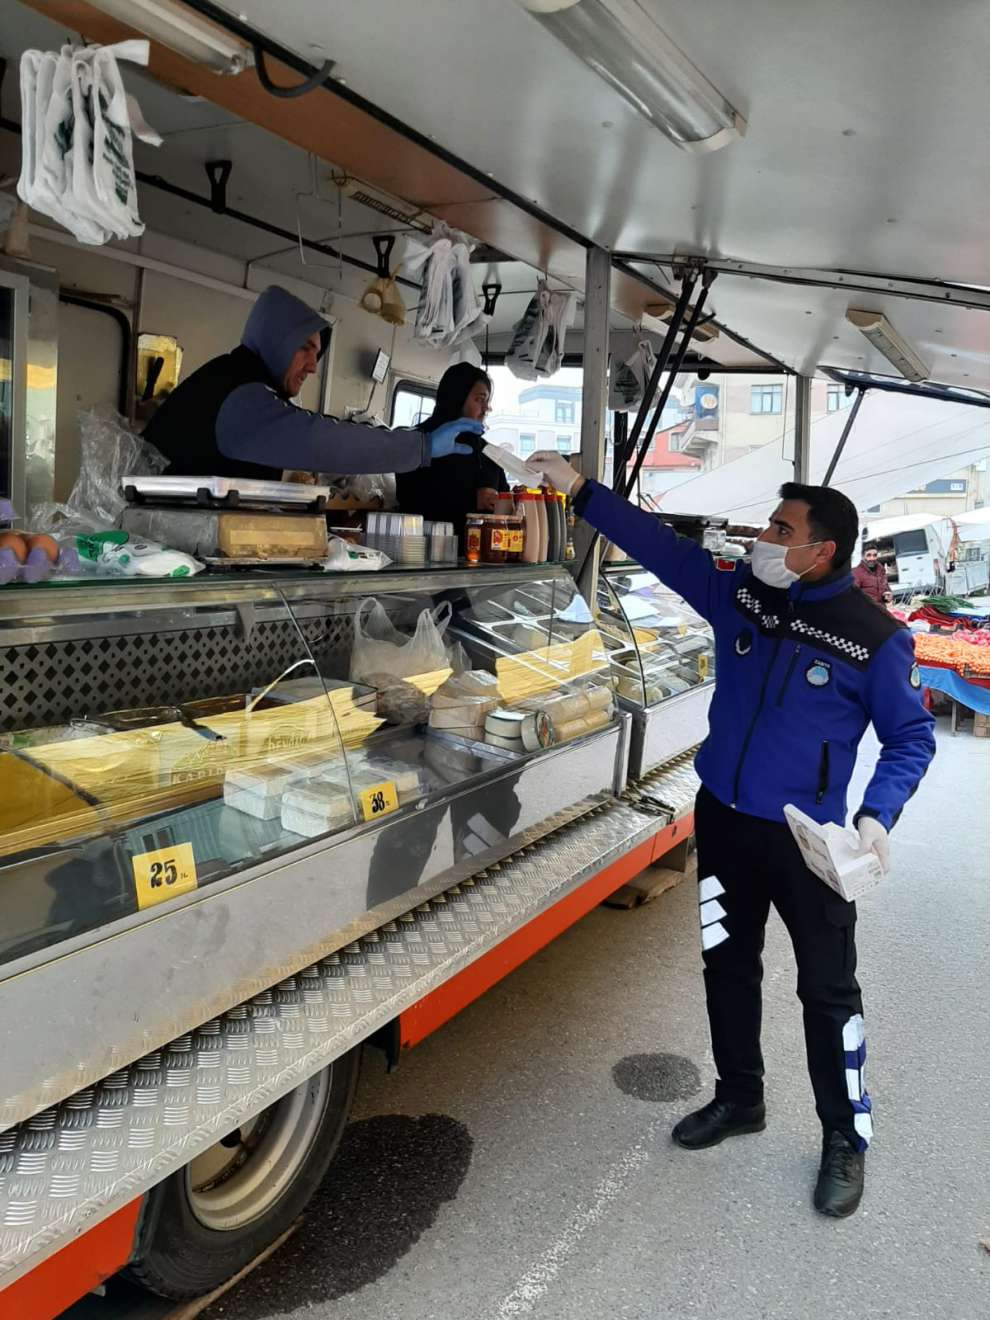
x,y
199,791
662,657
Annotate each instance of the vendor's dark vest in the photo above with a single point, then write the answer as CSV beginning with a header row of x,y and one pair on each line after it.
x,y
184,427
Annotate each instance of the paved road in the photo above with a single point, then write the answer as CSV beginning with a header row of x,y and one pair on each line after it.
x,y
519,1163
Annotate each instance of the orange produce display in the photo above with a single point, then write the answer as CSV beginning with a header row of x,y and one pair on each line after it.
x,y
966,658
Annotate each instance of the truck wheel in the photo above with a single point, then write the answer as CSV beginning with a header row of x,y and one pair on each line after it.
x,y
211,1218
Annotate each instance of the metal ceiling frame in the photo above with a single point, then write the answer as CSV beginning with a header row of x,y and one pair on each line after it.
x,y
943,393
894,286
311,74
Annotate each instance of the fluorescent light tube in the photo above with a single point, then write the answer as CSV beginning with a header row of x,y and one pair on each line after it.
x,y
181,29
622,44
886,340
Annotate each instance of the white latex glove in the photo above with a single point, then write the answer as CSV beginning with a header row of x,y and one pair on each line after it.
x,y
556,470
874,838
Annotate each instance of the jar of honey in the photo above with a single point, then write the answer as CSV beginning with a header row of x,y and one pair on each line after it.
x,y
494,538
517,537
472,537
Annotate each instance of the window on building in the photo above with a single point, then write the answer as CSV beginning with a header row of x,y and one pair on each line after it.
x,y
836,398
565,444
412,403
766,398
563,412
527,443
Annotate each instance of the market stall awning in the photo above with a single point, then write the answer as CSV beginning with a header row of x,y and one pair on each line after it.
x,y
897,444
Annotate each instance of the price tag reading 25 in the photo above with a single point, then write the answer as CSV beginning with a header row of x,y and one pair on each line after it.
x,y
379,800
163,874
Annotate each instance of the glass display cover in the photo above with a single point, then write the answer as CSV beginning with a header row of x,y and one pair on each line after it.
x,y
153,742
658,645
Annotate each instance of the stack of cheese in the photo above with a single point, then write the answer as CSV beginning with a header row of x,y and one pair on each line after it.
x,y
556,719
519,730
461,705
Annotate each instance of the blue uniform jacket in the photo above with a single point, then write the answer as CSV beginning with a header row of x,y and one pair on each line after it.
x,y
800,675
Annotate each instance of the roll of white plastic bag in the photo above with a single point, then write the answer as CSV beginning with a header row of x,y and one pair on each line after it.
x,y
345,557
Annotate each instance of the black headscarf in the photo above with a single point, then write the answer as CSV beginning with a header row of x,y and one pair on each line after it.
x,y
456,384
446,491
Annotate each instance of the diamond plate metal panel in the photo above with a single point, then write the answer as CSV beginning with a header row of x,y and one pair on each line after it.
x,y
55,681
671,787
71,1165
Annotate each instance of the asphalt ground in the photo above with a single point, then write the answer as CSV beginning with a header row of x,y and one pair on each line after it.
x,y
519,1162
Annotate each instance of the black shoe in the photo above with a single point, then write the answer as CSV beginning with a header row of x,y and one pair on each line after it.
x,y
719,1119
840,1179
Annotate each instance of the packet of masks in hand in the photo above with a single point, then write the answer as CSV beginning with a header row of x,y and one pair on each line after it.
x,y
834,854
514,468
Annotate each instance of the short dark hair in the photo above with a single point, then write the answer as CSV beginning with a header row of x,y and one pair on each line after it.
x,y
832,516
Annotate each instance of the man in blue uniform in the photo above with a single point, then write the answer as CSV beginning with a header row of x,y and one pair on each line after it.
x,y
804,662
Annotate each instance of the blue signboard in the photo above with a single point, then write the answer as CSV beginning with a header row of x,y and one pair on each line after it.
x,y
706,399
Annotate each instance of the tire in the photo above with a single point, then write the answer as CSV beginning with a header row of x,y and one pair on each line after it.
x,y
211,1218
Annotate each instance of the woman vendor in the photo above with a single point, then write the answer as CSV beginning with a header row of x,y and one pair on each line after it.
x,y
452,487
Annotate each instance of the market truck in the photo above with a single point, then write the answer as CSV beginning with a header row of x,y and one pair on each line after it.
x,y
917,551
187,982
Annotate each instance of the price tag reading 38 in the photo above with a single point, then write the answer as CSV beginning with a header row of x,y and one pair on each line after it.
x,y
164,874
379,800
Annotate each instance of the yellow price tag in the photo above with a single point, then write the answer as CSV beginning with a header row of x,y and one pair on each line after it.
x,y
379,800
163,874
702,666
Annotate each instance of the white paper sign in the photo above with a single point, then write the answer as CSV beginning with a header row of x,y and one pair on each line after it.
x,y
833,854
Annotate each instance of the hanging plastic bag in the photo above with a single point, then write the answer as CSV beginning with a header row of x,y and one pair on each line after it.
x,y
627,384
382,298
109,451
77,159
379,648
449,311
385,659
537,347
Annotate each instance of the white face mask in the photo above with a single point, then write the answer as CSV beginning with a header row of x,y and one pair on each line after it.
x,y
768,563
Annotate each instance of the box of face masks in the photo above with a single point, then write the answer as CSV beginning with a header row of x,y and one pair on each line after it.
x,y
834,854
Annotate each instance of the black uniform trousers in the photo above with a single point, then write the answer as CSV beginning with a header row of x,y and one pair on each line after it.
x,y
744,865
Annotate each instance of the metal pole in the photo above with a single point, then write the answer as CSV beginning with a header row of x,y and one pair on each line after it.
x,y
590,559
675,368
597,287
802,429
850,423
650,393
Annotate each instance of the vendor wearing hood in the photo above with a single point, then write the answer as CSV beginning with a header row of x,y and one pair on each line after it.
x,y
234,417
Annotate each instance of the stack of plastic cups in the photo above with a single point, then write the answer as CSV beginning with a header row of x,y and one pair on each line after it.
x,y
412,542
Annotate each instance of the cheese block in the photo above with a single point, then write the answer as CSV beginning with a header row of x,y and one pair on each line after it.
x,y
473,732
311,809
582,725
474,686
452,717
409,780
257,791
505,723
506,744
